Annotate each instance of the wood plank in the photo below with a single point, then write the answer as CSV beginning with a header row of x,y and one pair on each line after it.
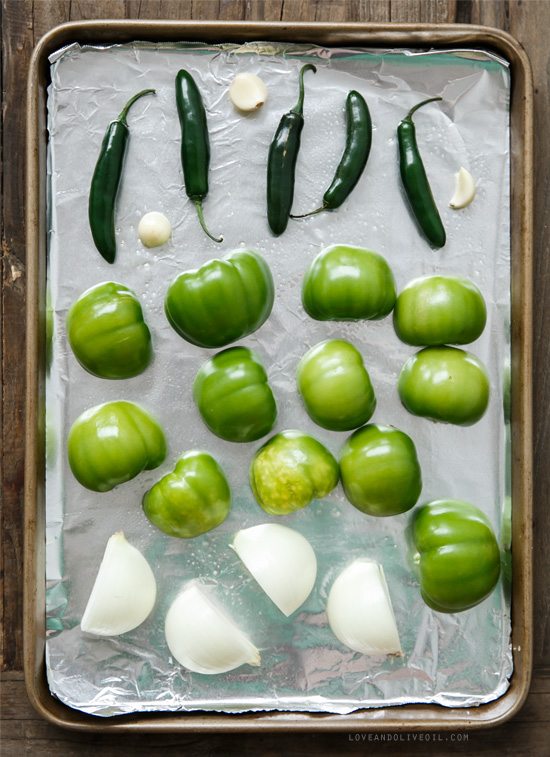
x,y
373,11
17,44
490,14
47,15
420,11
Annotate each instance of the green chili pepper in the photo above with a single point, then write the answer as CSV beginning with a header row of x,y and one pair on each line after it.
x,y
354,158
415,181
195,144
281,162
106,181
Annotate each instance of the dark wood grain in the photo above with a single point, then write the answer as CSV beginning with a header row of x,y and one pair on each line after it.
x,y
23,23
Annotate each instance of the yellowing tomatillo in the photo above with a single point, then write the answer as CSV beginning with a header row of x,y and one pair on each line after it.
x,y
290,471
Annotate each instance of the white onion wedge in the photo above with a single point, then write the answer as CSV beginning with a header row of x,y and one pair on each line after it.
x,y
202,638
124,591
359,610
281,560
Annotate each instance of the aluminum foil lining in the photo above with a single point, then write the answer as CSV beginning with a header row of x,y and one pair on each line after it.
x,y
459,660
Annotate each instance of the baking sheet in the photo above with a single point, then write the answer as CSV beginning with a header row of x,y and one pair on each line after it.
x,y
457,660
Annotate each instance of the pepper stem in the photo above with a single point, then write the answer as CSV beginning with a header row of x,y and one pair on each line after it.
x,y
416,107
131,101
311,213
198,205
299,107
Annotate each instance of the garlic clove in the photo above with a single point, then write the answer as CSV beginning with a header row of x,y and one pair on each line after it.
x,y
281,560
247,92
202,638
465,190
123,593
154,229
360,612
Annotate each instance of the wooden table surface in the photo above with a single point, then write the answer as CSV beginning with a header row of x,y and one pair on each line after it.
x,y
23,23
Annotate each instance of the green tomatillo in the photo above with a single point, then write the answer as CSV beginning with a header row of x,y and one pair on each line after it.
x,y
222,301
445,384
335,385
111,443
193,499
438,310
380,471
233,396
457,554
107,332
346,283
290,471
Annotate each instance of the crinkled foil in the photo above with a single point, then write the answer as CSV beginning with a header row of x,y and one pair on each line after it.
x,y
456,660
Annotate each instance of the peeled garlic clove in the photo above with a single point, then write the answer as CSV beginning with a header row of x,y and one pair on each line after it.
x,y
154,229
281,560
124,591
465,190
247,92
359,610
202,638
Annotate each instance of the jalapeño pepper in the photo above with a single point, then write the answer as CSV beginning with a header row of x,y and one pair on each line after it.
x,y
195,144
106,181
354,157
281,164
415,181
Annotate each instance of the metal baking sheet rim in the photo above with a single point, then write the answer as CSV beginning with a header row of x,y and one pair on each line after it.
x,y
386,719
